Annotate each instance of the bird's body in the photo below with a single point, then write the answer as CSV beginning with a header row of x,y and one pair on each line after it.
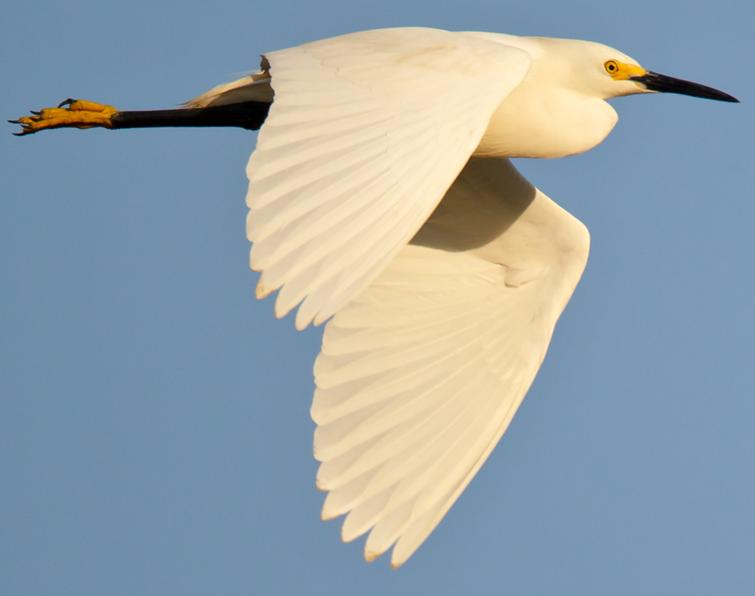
x,y
547,114
562,121
382,199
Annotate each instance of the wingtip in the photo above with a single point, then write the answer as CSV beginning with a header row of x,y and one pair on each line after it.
x,y
348,537
326,515
261,291
300,325
370,555
280,309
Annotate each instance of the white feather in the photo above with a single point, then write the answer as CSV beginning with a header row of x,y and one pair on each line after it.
x,y
421,373
348,166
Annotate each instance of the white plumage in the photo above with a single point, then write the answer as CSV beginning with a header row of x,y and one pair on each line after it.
x,y
381,197
348,166
420,375
381,192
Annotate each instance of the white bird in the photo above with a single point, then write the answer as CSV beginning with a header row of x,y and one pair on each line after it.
x,y
381,194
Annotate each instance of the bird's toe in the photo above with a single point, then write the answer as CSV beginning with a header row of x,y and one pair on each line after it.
x,y
71,113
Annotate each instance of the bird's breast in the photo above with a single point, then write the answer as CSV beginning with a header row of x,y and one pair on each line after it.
x,y
553,124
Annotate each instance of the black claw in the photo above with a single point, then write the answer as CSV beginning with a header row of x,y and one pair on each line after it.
x,y
66,102
36,113
14,121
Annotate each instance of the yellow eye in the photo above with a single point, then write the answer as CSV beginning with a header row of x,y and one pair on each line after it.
x,y
612,67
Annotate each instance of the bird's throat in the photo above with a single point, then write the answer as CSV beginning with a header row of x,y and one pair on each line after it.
x,y
555,124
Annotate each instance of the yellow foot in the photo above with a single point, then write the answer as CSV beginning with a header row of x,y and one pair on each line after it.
x,y
72,113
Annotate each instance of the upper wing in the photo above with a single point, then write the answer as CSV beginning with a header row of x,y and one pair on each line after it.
x,y
366,133
420,375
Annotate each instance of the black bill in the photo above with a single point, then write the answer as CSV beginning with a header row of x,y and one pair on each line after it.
x,y
664,84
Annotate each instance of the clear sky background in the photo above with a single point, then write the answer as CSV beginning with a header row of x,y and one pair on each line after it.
x,y
154,428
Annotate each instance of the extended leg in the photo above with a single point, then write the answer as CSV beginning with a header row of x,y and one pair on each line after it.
x,y
80,113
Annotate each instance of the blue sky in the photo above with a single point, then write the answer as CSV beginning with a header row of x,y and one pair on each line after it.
x,y
154,427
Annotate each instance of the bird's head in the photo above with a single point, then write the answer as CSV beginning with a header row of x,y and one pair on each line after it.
x,y
613,74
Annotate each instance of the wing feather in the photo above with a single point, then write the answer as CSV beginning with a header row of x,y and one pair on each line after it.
x,y
365,134
420,374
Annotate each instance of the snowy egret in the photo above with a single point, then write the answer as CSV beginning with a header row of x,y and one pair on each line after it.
x,y
381,192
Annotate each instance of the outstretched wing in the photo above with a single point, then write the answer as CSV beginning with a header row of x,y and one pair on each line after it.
x,y
366,133
421,374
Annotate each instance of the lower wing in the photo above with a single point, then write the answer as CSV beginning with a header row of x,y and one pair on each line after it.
x,y
421,374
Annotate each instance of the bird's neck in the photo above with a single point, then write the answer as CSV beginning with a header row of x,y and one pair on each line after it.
x,y
554,123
